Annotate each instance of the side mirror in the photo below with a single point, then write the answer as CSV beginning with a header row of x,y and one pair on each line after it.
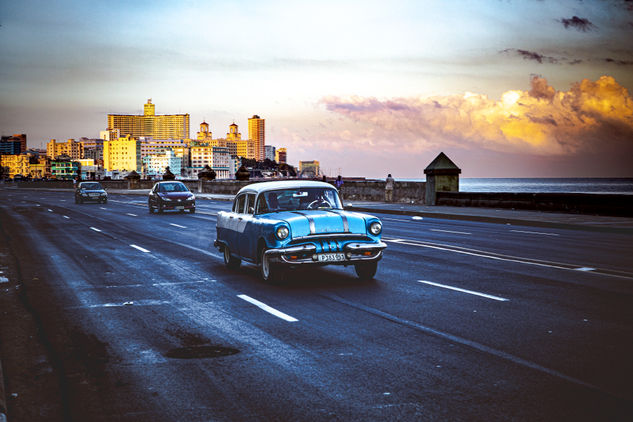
x,y
251,210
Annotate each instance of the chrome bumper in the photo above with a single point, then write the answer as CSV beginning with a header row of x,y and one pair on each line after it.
x,y
354,252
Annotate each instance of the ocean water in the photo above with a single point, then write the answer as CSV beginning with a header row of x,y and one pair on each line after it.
x,y
535,185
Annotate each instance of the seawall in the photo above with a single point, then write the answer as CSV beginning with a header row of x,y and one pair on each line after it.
x,y
411,193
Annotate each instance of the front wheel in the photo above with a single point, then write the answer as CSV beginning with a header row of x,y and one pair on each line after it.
x,y
192,210
229,260
269,271
160,207
366,270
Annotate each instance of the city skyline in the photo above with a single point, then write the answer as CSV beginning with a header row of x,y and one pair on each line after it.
x,y
505,88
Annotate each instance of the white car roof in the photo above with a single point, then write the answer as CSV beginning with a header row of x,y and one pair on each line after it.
x,y
284,184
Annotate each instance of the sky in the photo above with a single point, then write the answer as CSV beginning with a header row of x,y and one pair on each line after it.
x,y
506,88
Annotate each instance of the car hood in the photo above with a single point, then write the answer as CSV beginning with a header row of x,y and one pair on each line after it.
x,y
306,222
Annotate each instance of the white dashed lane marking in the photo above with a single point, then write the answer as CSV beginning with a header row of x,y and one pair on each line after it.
x,y
470,292
530,232
177,225
448,231
268,309
95,229
130,214
139,248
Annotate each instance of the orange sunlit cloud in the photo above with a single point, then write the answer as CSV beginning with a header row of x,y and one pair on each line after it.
x,y
587,117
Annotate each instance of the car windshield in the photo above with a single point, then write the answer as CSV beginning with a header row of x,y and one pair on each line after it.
x,y
298,199
172,187
91,186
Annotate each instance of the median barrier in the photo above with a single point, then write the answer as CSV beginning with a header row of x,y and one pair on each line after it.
x,y
580,203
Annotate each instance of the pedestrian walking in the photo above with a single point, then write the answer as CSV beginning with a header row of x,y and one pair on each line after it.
x,y
338,182
389,183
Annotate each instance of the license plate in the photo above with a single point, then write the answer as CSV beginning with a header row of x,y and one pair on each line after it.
x,y
331,257
180,208
93,194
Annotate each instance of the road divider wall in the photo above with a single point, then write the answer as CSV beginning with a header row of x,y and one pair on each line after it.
x,y
410,193
580,203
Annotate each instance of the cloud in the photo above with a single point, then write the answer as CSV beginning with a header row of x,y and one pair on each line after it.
x,y
530,55
590,116
581,24
562,60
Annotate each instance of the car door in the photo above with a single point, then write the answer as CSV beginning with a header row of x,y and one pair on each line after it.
x,y
229,226
246,228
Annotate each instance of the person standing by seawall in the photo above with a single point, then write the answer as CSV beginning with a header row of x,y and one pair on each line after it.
x,y
389,183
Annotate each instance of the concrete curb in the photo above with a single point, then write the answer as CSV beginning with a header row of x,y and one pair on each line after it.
x,y
495,220
3,400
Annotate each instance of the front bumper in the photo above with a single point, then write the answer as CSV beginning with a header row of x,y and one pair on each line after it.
x,y
174,205
88,197
307,254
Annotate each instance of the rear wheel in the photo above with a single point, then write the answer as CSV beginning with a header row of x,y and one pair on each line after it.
x,y
366,270
270,272
229,260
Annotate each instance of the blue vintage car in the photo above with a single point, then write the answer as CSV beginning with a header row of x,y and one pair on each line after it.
x,y
277,225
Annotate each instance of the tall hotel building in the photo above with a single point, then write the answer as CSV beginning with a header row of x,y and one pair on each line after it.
x,y
162,126
257,134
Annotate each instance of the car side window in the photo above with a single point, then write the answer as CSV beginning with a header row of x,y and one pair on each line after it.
x,y
250,203
262,206
238,205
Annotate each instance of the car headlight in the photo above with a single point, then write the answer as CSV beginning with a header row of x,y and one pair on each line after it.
x,y
192,197
375,228
282,232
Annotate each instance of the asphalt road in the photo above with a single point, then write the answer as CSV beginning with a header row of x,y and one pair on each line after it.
x,y
464,321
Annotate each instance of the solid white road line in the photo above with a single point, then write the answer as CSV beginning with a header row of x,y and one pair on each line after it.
x,y
529,232
475,252
470,292
268,309
177,225
95,229
448,231
139,248
130,214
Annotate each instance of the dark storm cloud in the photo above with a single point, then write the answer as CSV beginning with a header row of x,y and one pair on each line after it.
x,y
581,24
618,62
530,55
533,55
